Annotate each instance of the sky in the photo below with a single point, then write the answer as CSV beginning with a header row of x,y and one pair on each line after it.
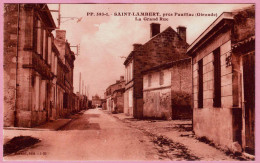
x,y
105,41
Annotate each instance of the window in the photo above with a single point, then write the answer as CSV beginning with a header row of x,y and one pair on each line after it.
x,y
217,78
65,100
200,84
44,45
39,37
149,80
49,51
161,78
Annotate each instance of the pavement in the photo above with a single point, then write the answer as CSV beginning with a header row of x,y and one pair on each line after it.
x,y
178,133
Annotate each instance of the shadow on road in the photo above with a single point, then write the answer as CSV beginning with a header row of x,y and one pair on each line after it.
x,y
81,122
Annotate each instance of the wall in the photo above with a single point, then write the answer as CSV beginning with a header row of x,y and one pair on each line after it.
x,y
181,89
214,123
9,67
29,65
157,98
128,102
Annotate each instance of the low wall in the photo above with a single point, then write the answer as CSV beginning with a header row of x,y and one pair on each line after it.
x,y
215,124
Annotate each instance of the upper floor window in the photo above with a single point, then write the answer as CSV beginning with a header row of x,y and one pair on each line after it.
x,y
161,78
149,80
129,72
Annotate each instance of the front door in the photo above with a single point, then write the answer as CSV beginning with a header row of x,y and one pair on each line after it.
x,y
249,101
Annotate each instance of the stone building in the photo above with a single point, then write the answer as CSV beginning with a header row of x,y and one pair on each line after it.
x,y
163,47
96,101
223,64
28,87
114,96
60,87
66,61
167,90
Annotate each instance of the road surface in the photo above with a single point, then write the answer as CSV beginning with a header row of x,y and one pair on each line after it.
x,y
95,135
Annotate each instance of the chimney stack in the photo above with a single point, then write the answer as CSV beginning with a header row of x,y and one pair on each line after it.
x,y
60,41
181,30
136,46
154,29
121,78
61,34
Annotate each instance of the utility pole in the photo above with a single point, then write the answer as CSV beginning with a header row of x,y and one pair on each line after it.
x,y
85,90
82,87
79,81
59,17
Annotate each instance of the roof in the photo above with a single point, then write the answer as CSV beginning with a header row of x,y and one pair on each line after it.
x,y
132,53
244,42
165,66
47,14
224,15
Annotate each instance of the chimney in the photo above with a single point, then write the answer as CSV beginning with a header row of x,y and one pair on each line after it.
x,y
136,46
121,78
154,29
61,34
181,30
60,41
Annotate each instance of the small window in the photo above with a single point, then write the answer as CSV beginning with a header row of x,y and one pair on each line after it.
x,y
149,80
200,84
161,78
217,78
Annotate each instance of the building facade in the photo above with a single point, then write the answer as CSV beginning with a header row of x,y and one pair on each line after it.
x,y
163,47
223,59
167,91
114,96
65,71
96,101
28,87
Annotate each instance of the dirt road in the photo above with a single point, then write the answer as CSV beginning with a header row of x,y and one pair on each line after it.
x,y
93,136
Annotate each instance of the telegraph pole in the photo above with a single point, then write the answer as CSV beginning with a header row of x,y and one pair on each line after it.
x,y
79,81
59,17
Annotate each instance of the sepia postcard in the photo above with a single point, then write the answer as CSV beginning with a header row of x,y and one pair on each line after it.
x,y
86,81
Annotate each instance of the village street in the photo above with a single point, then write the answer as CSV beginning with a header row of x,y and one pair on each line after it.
x,y
93,136
97,135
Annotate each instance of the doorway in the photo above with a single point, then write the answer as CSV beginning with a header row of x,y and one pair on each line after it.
x,y
249,101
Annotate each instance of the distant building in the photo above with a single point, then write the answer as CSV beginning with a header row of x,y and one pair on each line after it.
x,y
67,57
167,91
96,101
163,47
223,59
114,96
29,95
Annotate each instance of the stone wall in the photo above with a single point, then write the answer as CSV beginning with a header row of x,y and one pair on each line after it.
x,y
9,67
181,89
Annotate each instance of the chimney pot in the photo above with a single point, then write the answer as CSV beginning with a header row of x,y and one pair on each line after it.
x,y
181,30
154,29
